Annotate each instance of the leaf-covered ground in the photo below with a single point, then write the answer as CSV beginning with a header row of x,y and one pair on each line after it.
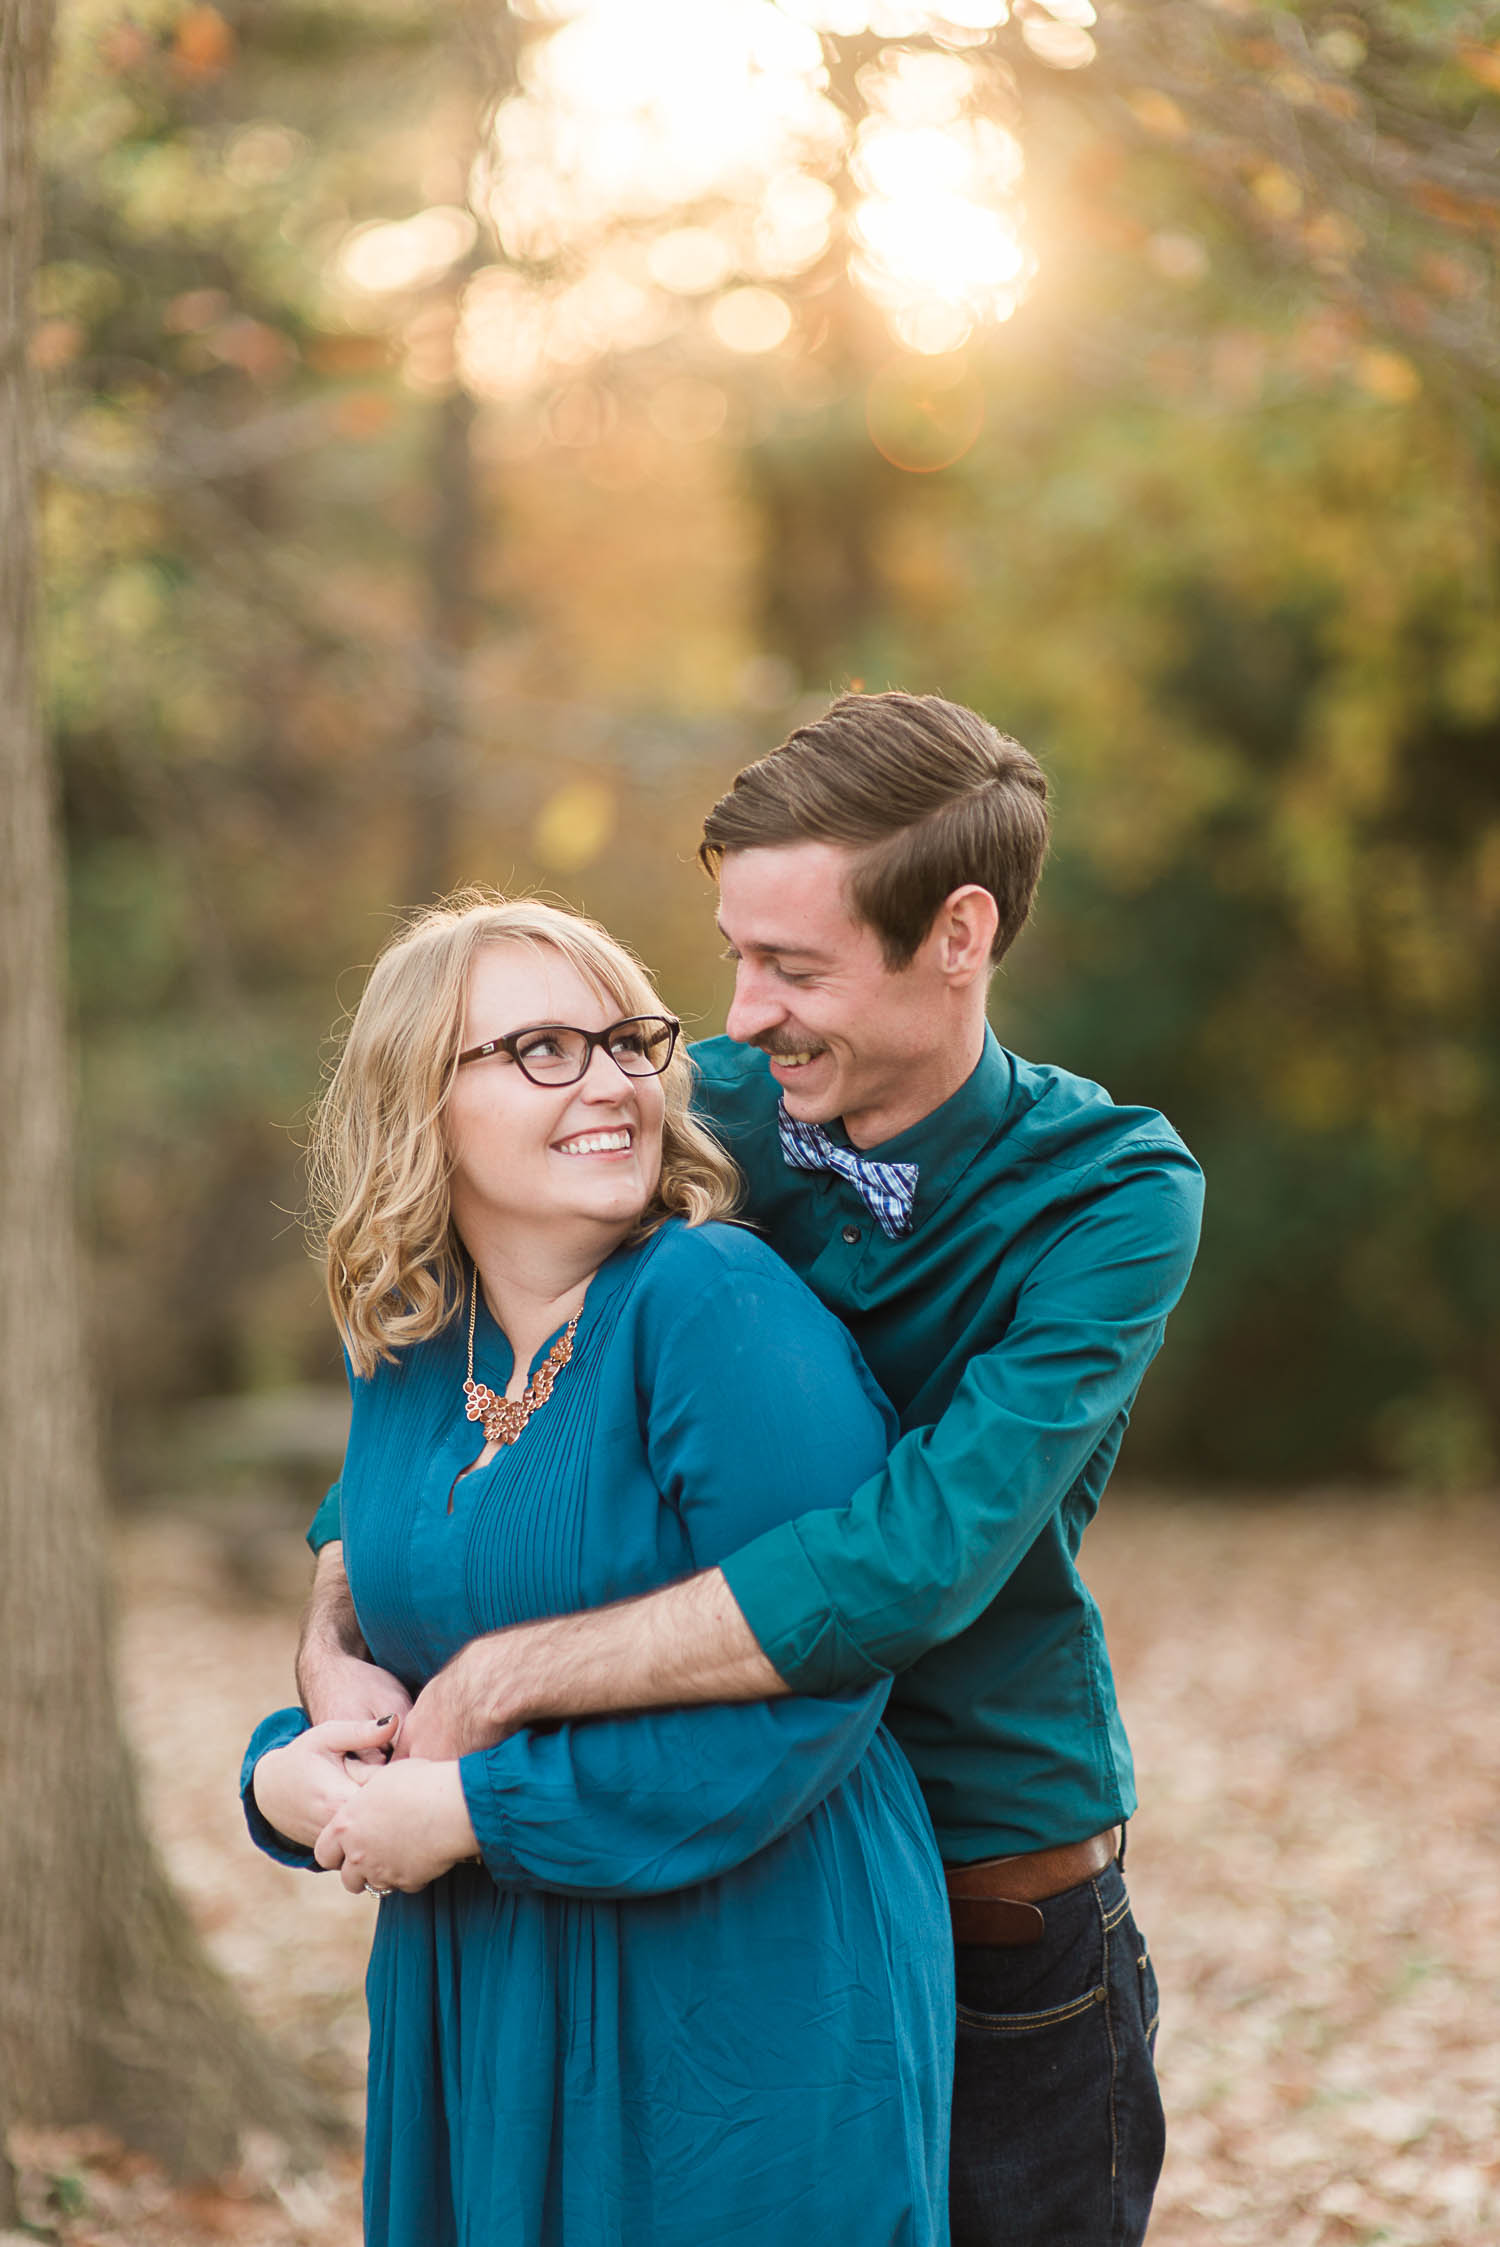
x,y
1311,1686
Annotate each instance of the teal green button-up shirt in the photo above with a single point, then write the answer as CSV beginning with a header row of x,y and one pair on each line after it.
x,y
1052,1233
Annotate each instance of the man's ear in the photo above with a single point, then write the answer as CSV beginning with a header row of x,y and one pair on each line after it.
x,y
963,930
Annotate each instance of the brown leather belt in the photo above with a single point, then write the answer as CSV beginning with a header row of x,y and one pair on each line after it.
x,y
996,1901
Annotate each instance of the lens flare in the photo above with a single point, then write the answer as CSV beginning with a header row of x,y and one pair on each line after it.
x,y
924,413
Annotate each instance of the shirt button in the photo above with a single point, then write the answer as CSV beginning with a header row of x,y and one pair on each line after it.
x,y
851,1234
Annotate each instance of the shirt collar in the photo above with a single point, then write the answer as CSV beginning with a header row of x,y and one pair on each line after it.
x,y
945,1143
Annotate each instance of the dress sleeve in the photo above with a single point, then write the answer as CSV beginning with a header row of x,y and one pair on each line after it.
x,y
757,1409
925,1543
274,1731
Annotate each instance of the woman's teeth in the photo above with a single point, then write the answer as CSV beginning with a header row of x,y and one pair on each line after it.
x,y
595,1143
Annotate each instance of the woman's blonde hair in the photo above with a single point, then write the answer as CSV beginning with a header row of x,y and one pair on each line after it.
x,y
379,1163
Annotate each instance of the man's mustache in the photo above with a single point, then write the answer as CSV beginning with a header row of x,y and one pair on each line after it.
x,y
778,1048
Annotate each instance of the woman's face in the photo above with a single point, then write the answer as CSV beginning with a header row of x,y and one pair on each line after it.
x,y
535,1153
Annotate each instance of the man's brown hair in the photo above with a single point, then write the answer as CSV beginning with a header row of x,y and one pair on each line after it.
x,y
929,794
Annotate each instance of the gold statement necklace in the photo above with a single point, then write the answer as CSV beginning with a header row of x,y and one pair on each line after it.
x,y
504,1417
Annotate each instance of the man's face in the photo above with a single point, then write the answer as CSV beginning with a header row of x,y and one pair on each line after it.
x,y
846,1037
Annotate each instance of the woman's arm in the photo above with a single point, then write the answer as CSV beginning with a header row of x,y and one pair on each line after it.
x,y
631,1806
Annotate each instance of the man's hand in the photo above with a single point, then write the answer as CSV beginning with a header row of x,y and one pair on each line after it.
x,y
335,1676
298,1788
403,1827
473,1702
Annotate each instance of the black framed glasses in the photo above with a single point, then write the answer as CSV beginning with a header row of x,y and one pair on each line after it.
x,y
555,1053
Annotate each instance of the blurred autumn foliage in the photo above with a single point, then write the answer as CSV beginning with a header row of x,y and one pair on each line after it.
x,y
443,491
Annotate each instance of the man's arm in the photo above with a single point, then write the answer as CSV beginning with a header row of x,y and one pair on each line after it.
x,y
335,1676
688,1643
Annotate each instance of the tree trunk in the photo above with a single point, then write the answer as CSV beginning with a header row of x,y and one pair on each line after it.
x,y
9,2211
109,2010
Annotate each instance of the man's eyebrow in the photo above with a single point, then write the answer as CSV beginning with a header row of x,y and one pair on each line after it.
x,y
777,951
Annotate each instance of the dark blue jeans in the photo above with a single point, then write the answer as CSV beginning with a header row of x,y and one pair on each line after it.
x,y
1057,2119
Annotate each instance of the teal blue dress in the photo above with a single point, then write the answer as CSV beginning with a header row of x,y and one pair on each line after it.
x,y
699,1989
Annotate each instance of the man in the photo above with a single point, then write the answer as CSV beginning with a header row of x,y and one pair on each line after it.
x,y
1005,1244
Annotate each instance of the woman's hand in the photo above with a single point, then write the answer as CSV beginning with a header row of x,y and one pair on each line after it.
x,y
403,1827
298,1788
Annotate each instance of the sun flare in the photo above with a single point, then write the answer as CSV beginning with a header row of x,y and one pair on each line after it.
x,y
668,169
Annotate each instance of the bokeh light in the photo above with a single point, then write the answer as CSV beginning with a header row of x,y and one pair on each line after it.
x,y
573,825
897,19
938,240
690,260
636,108
659,152
407,253
751,320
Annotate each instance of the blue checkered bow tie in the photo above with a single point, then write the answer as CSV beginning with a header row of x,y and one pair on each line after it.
x,y
887,1189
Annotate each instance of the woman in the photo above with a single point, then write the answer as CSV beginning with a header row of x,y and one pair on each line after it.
x,y
641,1982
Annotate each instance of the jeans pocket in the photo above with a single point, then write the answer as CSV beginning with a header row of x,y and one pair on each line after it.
x,y
1033,2022
1022,1989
